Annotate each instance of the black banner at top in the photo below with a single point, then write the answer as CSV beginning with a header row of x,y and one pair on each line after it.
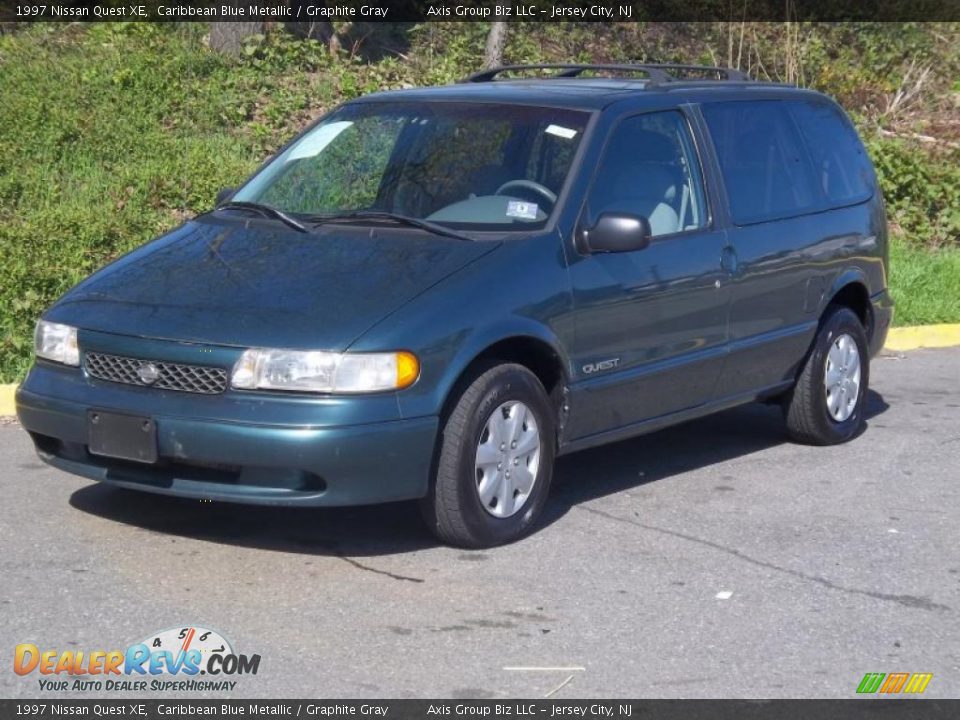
x,y
477,10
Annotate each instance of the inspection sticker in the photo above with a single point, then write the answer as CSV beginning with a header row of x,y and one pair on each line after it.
x,y
520,209
561,131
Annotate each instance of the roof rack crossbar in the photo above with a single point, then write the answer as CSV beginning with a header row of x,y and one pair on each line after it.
x,y
657,72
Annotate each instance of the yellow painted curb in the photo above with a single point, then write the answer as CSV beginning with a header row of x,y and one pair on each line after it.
x,y
898,340
923,336
6,399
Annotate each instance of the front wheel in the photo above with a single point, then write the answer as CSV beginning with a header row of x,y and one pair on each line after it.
x,y
495,462
826,405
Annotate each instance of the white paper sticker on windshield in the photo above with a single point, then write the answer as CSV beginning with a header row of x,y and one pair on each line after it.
x,y
521,209
561,131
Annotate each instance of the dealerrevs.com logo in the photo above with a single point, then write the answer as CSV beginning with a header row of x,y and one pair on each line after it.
x,y
171,660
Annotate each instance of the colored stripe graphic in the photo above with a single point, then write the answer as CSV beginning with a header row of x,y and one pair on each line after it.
x,y
870,682
894,683
918,682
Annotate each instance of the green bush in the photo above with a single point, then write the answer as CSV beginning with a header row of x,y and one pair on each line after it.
x,y
922,191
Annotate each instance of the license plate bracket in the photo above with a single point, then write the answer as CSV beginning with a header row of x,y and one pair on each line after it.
x,y
125,437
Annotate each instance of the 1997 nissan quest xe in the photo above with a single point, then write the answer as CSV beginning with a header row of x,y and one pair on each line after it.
x,y
432,293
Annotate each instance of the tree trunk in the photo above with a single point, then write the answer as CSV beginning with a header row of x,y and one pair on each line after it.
x,y
227,37
496,40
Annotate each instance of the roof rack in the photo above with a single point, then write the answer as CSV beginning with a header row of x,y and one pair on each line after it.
x,y
657,72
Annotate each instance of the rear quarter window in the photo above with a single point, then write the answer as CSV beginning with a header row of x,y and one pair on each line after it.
x,y
841,165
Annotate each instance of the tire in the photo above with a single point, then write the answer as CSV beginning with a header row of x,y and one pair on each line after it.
x,y
812,415
454,510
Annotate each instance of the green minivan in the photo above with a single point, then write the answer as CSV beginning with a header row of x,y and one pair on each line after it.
x,y
432,293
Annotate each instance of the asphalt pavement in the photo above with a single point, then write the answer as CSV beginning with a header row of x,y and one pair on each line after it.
x,y
714,559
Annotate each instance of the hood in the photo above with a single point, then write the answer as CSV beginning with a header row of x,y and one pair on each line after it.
x,y
251,283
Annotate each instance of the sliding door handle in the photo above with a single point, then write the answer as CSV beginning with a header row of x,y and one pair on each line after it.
x,y
728,260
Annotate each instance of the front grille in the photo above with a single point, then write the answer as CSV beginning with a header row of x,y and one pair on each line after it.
x,y
169,376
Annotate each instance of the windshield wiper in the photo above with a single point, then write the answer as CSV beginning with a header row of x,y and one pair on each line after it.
x,y
265,210
430,227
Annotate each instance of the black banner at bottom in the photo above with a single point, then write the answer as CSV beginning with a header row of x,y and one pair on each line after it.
x,y
912,709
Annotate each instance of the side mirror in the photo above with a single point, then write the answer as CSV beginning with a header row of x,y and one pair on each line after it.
x,y
617,232
224,195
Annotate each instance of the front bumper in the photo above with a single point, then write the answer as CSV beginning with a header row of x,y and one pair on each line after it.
x,y
231,458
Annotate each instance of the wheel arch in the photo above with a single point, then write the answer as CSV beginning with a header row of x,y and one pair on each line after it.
x,y
539,352
850,291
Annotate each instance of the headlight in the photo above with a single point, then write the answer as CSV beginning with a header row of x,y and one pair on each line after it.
x,y
326,372
56,342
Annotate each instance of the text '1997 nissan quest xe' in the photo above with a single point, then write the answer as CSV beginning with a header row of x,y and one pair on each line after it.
x,y
431,293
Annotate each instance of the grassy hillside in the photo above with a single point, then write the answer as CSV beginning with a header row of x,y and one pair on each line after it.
x,y
111,134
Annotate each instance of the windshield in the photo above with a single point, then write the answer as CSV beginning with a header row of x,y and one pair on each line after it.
x,y
465,165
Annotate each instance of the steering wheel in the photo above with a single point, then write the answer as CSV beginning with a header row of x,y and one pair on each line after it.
x,y
530,185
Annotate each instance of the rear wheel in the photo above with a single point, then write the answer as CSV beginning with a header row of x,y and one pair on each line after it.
x,y
826,405
495,461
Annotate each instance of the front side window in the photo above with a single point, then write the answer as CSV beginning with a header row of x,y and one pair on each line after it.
x,y
650,168
764,163
467,165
